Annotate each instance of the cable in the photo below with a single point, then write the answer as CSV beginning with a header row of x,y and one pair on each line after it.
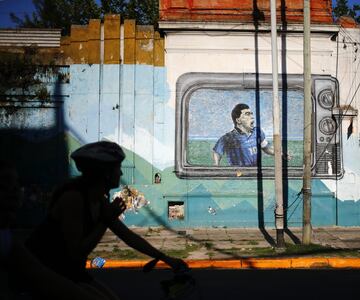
x,y
342,30
287,208
297,197
288,218
357,68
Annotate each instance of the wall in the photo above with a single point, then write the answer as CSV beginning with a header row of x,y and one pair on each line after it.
x,y
123,87
238,50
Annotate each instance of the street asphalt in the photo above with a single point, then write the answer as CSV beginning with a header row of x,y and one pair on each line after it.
x,y
237,284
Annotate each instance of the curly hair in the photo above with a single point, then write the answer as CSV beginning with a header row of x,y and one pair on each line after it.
x,y
236,112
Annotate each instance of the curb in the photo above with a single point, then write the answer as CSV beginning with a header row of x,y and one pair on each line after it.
x,y
247,263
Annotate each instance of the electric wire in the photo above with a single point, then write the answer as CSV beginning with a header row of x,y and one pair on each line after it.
x,y
288,217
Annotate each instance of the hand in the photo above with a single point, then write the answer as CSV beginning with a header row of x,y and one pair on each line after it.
x,y
119,204
176,264
112,211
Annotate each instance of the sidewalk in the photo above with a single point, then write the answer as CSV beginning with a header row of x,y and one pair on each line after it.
x,y
240,247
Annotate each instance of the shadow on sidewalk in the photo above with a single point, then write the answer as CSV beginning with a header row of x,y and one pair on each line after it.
x,y
296,250
292,236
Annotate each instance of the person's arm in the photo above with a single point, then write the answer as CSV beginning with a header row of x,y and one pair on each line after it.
x,y
92,239
270,150
216,158
218,150
265,146
138,243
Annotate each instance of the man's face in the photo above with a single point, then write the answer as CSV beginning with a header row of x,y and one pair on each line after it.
x,y
246,120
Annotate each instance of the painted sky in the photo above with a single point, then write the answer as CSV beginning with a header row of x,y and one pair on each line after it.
x,y
20,7
210,112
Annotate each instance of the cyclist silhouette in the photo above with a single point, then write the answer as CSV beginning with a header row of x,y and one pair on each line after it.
x,y
79,215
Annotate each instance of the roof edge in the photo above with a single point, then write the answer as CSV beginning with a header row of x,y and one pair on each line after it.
x,y
241,26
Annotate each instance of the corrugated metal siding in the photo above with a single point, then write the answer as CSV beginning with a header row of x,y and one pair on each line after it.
x,y
26,37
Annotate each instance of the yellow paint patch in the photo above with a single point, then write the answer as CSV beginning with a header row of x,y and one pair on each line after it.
x,y
142,45
112,39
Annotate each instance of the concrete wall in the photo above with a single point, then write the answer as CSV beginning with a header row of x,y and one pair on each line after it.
x,y
241,52
122,86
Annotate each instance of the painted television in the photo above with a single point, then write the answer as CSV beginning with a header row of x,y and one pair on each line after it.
x,y
224,126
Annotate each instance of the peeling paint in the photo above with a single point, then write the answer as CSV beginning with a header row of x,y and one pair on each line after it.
x,y
148,47
211,211
133,199
176,211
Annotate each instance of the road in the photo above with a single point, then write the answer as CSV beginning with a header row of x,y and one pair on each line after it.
x,y
240,284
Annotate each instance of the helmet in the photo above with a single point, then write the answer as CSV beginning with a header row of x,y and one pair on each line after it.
x,y
99,152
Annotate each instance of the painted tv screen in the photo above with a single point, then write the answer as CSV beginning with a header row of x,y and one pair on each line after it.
x,y
225,126
210,121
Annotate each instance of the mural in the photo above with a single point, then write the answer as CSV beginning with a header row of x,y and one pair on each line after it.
x,y
225,132
180,184
228,128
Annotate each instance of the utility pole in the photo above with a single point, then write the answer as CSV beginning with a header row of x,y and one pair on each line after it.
x,y
307,230
279,210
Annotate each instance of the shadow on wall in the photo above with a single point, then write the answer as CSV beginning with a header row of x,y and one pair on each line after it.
x,y
32,137
258,16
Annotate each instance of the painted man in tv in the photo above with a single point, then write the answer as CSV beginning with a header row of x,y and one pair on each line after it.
x,y
241,144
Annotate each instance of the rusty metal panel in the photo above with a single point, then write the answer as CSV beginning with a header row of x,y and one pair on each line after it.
x,y
25,37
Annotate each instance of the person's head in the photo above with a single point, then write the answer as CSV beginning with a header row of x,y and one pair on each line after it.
x,y
243,117
100,162
10,194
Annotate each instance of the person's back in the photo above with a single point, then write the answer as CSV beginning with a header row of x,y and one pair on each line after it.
x,y
17,260
48,243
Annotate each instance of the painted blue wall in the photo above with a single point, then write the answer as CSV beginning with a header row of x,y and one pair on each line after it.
x,y
130,104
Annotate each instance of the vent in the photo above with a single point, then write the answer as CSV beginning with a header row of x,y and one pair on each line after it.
x,y
47,38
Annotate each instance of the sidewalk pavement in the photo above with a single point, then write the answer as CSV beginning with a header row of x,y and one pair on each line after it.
x,y
337,247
